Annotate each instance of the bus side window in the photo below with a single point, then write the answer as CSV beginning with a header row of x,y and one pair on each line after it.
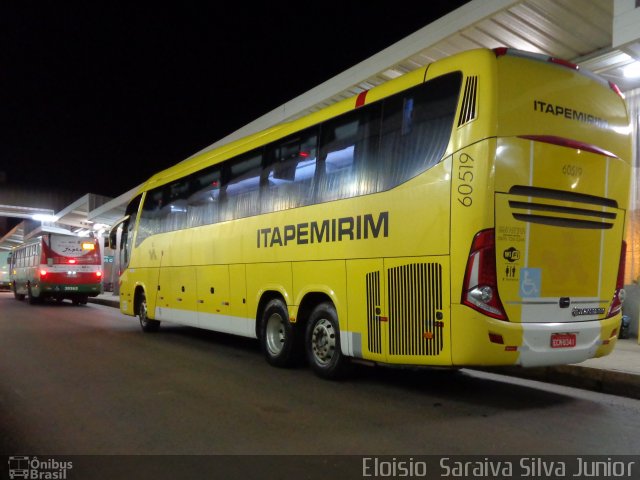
x,y
203,203
288,176
416,128
174,210
348,155
241,194
150,216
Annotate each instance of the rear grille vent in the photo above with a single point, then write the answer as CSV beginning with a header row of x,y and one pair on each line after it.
x,y
468,110
562,195
415,301
584,216
373,318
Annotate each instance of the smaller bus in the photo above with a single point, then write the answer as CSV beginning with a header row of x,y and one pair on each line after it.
x,y
58,267
5,281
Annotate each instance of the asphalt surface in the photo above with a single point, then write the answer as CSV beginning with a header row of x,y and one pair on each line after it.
x,y
84,384
86,380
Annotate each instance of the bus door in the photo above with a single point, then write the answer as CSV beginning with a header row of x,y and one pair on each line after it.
x,y
213,297
176,292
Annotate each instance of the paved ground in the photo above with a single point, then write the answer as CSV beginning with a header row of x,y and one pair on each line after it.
x,y
86,380
617,373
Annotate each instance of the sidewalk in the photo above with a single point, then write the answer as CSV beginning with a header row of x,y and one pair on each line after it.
x,y
616,374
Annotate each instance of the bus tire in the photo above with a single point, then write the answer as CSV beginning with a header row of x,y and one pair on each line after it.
x,y
147,324
32,300
16,295
277,335
322,342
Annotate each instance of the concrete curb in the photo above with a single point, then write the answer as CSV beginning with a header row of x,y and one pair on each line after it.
x,y
115,303
612,382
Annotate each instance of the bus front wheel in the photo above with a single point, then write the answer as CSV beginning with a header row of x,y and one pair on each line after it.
x,y
277,337
147,324
322,342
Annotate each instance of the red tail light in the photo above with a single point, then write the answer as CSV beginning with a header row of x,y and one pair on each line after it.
x,y
99,274
43,273
480,288
618,296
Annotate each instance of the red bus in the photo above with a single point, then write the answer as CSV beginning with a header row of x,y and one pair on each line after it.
x,y
58,267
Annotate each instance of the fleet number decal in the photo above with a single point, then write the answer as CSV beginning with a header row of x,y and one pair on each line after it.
x,y
465,175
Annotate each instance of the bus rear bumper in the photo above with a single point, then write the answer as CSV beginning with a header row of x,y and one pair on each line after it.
x,y
592,339
482,341
90,290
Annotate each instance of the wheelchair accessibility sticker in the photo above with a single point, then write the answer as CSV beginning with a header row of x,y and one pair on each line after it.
x,y
530,279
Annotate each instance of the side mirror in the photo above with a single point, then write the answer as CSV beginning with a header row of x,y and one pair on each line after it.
x,y
113,237
113,233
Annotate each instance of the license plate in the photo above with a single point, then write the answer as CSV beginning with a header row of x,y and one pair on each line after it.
x,y
75,289
563,340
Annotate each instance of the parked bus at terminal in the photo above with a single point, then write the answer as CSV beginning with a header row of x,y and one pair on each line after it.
x,y
56,266
471,212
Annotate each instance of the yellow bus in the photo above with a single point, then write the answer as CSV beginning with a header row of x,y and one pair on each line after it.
x,y
469,213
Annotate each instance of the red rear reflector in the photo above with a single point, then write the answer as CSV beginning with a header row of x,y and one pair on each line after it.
x,y
496,338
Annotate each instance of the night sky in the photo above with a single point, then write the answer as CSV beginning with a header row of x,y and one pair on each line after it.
x,y
96,97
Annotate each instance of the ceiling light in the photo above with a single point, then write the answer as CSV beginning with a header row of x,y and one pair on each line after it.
x,y
41,217
632,70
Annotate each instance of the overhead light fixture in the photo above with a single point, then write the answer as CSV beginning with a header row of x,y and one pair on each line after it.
x,y
632,70
43,217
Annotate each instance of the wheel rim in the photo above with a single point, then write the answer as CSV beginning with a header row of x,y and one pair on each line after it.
x,y
143,312
323,341
275,334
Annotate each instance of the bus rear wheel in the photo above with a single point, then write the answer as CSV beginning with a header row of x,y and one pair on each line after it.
x,y
277,337
16,295
322,341
32,299
147,324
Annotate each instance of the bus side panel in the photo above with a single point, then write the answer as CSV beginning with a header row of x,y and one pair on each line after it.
x,y
324,277
472,343
238,298
213,289
264,277
471,205
417,311
366,302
